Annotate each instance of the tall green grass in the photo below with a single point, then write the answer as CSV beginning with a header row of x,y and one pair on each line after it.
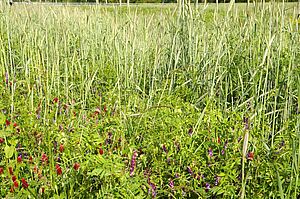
x,y
234,59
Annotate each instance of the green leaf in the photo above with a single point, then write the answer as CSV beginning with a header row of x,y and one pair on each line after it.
x,y
9,151
96,172
13,142
3,134
280,185
2,118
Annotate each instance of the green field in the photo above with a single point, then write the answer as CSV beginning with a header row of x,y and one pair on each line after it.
x,y
150,101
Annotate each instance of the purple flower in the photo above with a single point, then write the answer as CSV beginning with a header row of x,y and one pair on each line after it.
x,y
176,175
147,172
198,176
246,123
38,113
225,144
190,131
218,178
223,152
154,193
239,177
282,144
133,163
171,184
19,146
207,186
239,139
169,160
6,78
190,171
152,188
109,135
210,152
61,127
109,139
55,146
177,145
164,148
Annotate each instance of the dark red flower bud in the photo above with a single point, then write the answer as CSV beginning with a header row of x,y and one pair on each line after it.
x,y
19,159
101,151
1,140
61,148
35,169
7,122
97,111
58,169
24,183
10,170
76,166
44,158
15,124
1,170
250,156
14,178
30,159
55,100
105,109
16,184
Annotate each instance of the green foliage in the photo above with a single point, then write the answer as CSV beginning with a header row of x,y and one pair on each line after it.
x,y
116,102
